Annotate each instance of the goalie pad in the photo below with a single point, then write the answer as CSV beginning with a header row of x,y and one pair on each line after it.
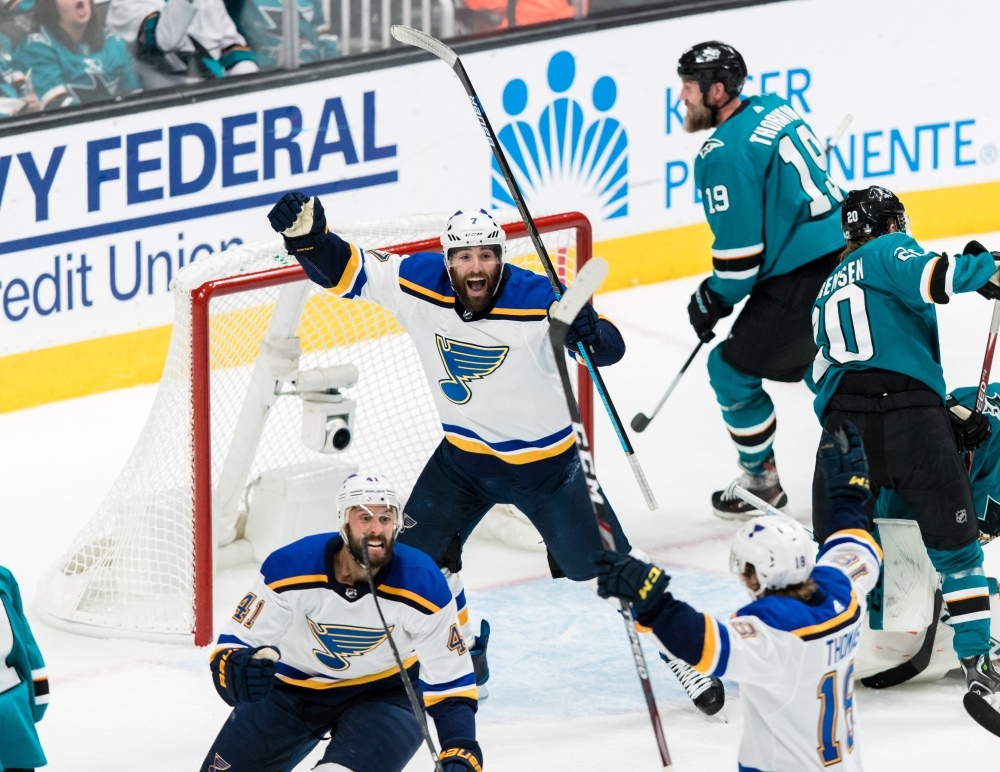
x,y
907,583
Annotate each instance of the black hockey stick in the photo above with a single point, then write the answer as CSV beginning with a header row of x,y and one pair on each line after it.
x,y
984,375
419,39
587,281
418,710
640,422
916,664
982,712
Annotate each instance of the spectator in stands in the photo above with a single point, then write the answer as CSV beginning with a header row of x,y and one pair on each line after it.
x,y
16,93
182,40
12,8
260,21
71,60
500,14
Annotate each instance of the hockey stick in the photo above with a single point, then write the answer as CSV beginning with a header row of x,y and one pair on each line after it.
x,y
587,281
984,376
419,39
640,422
418,711
763,506
916,664
982,712
832,143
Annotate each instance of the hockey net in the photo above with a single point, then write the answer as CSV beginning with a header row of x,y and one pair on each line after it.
x,y
143,566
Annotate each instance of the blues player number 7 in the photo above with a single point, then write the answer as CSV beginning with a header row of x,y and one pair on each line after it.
x,y
827,694
819,200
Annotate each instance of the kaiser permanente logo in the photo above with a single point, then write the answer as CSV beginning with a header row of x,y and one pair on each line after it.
x,y
577,158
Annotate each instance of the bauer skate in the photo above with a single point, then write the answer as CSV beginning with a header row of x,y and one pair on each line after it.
x,y
983,682
707,693
727,505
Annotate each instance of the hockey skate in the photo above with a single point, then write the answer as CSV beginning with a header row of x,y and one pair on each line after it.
x,y
727,505
479,664
707,693
983,682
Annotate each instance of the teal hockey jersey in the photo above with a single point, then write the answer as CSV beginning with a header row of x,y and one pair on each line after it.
x,y
772,207
24,685
876,310
62,77
260,22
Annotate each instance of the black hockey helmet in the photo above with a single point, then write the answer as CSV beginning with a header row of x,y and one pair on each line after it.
x,y
714,62
867,213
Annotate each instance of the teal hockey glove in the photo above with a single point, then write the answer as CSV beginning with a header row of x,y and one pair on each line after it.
x,y
632,580
845,466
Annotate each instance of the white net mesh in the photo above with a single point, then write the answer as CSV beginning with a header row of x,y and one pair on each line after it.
x,y
130,571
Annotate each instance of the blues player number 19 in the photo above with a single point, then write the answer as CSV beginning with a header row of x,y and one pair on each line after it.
x,y
827,693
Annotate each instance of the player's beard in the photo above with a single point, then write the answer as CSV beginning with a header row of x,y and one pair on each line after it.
x,y
698,118
377,561
492,279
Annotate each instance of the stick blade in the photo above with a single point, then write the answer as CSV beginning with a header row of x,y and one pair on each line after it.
x,y
982,712
640,422
414,37
590,277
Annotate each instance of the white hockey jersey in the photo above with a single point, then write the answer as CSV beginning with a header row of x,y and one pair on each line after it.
x,y
494,377
180,23
794,662
332,643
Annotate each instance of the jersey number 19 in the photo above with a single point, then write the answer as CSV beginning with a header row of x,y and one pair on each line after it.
x,y
827,693
819,201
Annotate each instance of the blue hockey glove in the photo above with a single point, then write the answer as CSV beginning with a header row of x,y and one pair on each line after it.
x,y
586,329
705,310
844,464
245,675
463,756
301,222
632,580
972,430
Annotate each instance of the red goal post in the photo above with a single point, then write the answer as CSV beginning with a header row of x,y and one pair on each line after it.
x,y
201,387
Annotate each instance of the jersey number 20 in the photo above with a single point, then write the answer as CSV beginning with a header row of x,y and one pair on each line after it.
x,y
848,331
827,693
819,201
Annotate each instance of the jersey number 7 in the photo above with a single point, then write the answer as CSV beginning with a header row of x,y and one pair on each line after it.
x,y
819,201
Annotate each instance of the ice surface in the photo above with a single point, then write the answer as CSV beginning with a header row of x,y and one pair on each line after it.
x,y
564,695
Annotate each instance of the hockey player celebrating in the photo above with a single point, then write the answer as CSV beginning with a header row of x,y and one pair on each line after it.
x,y
480,327
879,365
306,654
775,215
24,685
792,649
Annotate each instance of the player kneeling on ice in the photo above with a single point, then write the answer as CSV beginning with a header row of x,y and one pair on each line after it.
x,y
480,327
792,649
306,654
879,366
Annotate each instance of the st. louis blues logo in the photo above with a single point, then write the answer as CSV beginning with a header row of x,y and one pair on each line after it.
x,y
342,641
466,362
572,161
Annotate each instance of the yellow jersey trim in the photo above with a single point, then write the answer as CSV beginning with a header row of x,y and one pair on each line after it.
x,y
837,620
861,535
426,292
518,457
463,617
309,684
709,647
304,579
411,596
519,311
434,699
350,273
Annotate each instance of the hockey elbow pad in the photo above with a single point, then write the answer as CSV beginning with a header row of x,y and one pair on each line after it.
x,y
245,675
301,222
462,756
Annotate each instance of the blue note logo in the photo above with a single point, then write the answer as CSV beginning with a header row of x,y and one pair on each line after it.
x,y
340,642
219,764
573,158
466,362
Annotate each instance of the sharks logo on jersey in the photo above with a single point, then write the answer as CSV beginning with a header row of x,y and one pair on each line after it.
x,y
466,362
709,146
342,641
992,405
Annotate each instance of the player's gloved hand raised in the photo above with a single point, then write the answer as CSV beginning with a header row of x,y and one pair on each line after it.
x,y
586,329
623,576
990,290
245,675
705,310
844,464
301,222
972,430
462,756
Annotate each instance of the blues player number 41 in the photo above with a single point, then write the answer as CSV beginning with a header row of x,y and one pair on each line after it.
x,y
827,693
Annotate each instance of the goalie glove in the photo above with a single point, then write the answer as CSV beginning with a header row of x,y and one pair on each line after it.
x,y
630,579
991,289
301,222
245,675
845,466
972,430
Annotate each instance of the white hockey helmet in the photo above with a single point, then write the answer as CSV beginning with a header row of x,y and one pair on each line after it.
x,y
372,490
476,228
780,550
